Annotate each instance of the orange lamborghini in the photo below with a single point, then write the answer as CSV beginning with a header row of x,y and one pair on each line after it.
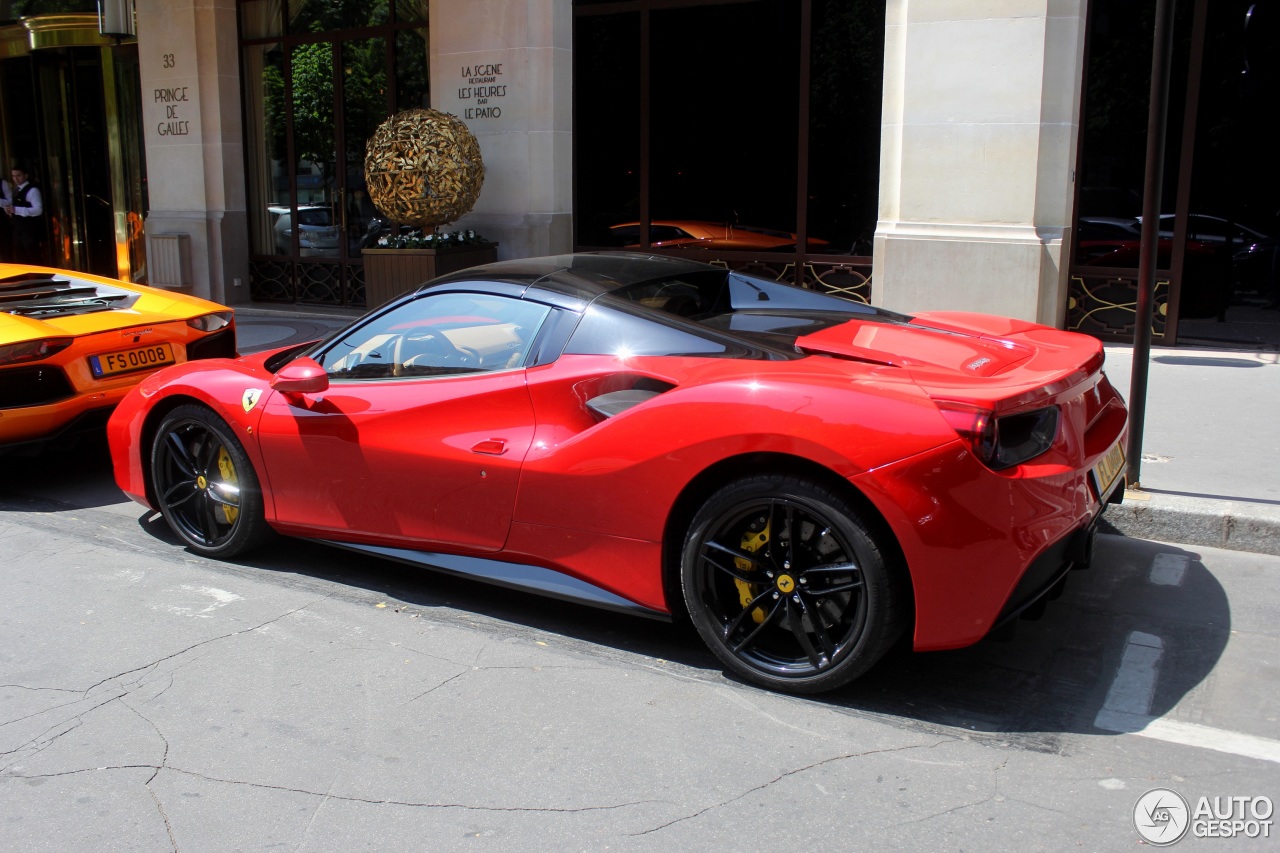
x,y
72,345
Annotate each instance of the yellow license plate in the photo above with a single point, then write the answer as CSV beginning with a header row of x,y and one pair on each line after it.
x,y
1109,467
129,360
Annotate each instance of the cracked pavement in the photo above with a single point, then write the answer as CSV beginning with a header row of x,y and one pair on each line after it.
x,y
313,700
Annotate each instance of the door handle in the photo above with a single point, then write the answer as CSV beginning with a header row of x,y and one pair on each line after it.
x,y
492,446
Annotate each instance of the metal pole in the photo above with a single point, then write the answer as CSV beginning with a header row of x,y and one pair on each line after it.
x,y
1161,56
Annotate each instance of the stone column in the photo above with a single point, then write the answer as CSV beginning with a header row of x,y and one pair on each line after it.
x,y
981,114
505,68
188,53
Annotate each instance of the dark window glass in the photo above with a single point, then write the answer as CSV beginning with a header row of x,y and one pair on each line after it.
x,y
259,19
691,295
364,106
317,16
411,10
724,129
607,106
315,216
266,120
749,293
712,93
26,8
846,80
702,295
667,233
413,89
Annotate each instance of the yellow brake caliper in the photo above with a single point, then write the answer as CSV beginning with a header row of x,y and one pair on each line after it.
x,y
751,543
228,470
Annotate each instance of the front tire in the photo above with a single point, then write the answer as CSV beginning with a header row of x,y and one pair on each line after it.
x,y
788,585
205,485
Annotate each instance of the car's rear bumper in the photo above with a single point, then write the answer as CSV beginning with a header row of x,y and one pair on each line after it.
x,y
31,426
39,410
982,548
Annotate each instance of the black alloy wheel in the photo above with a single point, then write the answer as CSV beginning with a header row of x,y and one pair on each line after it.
x,y
205,485
787,585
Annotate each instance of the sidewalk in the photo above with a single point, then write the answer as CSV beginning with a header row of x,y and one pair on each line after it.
x,y
1210,471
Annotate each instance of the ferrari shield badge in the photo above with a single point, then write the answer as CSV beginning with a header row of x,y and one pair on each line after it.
x,y
250,398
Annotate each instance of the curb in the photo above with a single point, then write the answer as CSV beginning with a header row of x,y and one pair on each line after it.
x,y
1209,522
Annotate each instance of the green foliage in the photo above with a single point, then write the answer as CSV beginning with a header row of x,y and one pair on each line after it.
x,y
364,94
319,16
313,126
364,102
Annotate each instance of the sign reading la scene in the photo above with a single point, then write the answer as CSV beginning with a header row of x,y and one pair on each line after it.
x,y
483,86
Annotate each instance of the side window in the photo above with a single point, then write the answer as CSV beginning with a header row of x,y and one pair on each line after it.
x,y
667,233
613,330
438,335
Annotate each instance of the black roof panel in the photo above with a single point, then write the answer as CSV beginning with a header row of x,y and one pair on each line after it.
x,y
580,276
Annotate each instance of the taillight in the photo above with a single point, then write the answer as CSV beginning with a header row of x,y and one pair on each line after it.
x,y
1005,441
211,322
32,350
975,425
1021,438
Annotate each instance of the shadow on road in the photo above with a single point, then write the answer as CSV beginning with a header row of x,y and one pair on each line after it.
x,y
1052,678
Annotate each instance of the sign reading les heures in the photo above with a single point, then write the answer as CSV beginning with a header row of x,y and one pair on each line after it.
x,y
483,88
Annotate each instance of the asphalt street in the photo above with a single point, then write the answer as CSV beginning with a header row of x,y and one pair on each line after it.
x,y
309,699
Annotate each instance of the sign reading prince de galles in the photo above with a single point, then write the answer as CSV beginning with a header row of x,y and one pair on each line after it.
x,y
483,92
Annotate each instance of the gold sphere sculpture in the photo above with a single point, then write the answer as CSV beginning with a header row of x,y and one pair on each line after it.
x,y
423,168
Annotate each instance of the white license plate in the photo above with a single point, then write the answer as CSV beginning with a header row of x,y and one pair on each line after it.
x,y
1108,469
129,360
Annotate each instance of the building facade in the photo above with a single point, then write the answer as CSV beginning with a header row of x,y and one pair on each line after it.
x,y
912,154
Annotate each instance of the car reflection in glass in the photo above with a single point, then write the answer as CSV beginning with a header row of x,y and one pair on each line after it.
x,y
698,234
317,233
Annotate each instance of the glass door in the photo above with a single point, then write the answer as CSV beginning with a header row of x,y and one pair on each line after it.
x,y
321,100
312,100
310,228
363,107
79,144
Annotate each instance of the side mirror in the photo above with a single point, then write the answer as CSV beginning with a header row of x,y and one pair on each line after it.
x,y
301,376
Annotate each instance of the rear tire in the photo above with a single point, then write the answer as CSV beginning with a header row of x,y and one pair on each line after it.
x,y
205,485
789,586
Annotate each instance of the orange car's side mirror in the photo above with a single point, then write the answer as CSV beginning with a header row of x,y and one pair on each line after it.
x,y
301,376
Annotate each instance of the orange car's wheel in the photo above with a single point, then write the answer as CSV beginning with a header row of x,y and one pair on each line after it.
x,y
205,485
789,587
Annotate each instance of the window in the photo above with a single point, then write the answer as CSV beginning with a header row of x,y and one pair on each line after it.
x,y
728,126
319,76
437,335
614,330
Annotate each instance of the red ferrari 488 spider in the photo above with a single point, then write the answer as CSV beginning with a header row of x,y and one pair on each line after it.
x,y
804,477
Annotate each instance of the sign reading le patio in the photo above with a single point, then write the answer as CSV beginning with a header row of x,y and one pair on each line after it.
x,y
483,87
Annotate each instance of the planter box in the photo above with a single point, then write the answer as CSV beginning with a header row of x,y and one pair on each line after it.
x,y
389,273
